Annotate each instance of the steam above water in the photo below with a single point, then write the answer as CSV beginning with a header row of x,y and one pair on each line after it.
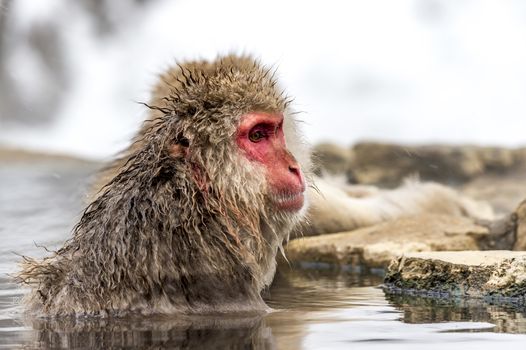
x,y
406,71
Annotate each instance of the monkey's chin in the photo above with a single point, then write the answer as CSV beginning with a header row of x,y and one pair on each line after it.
x,y
290,202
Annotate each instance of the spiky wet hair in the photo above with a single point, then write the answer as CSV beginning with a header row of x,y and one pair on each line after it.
x,y
182,223
206,97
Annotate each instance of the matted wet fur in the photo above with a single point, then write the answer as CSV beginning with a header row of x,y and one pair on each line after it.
x,y
183,222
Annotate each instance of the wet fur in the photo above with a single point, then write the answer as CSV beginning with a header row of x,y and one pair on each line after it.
x,y
182,222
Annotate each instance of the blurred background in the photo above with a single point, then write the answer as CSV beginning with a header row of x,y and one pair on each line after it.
x,y
406,71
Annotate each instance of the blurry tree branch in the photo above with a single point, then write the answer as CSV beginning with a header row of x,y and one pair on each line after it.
x,y
4,11
43,44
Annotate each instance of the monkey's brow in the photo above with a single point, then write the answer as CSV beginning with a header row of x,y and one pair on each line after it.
x,y
265,125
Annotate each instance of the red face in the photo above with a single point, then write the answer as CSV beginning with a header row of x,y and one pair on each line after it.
x,y
260,136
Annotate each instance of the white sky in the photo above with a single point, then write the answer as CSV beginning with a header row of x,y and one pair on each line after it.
x,y
412,71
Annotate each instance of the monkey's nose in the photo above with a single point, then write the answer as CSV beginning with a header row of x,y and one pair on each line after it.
x,y
295,169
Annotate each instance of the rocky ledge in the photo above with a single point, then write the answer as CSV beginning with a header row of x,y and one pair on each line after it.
x,y
9,155
491,275
375,246
493,174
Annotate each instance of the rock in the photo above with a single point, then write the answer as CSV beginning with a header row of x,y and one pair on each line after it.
x,y
331,159
389,164
15,155
504,191
495,275
521,155
376,246
502,233
520,216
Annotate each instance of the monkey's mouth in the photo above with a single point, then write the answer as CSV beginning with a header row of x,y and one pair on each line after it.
x,y
288,201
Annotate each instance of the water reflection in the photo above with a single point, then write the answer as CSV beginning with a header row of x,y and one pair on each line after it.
x,y
418,309
313,290
161,332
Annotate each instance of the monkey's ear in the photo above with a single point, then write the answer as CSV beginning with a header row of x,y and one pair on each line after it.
x,y
183,141
180,148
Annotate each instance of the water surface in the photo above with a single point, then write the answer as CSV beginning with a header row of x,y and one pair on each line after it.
x,y
314,308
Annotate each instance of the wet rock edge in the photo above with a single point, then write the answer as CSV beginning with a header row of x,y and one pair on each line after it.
x,y
444,280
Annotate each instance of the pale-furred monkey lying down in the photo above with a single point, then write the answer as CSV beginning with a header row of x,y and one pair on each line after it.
x,y
337,207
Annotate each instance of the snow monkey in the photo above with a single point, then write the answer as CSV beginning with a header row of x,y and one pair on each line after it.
x,y
191,217
196,210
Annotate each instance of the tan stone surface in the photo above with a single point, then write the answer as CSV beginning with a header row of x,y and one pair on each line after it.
x,y
376,245
470,258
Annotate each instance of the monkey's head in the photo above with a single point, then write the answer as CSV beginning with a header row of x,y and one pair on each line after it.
x,y
231,128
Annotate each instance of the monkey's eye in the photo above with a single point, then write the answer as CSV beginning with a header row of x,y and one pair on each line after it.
x,y
256,135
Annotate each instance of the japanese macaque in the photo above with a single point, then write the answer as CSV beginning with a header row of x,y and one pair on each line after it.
x,y
196,210
336,207
191,217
